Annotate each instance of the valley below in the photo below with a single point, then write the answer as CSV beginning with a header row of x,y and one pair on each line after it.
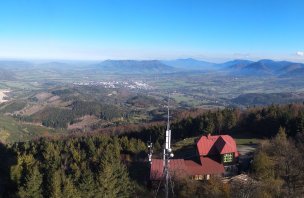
x,y
86,97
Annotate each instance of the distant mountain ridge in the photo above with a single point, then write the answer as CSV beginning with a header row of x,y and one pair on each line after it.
x,y
264,67
234,64
12,64
267,67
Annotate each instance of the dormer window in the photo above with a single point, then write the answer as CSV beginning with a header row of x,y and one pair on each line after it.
x,y
228,157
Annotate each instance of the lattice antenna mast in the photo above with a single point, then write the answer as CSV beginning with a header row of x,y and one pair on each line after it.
x,y
150,147
167,153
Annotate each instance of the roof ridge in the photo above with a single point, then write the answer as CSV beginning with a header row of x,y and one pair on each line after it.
x,y
228,142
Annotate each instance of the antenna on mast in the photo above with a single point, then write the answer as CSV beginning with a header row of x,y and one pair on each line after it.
x,y
168,131
168,107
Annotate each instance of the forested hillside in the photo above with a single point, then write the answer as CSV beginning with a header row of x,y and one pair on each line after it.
x,y
258,122
112,162
75,167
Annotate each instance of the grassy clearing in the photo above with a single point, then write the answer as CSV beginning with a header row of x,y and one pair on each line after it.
x,y
242,141
12,130
184,143
187,99
181,98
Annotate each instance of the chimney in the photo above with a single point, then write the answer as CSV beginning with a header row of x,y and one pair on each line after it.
x,y
208,136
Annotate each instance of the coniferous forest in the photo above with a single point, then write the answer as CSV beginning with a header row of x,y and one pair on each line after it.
x,y
113,163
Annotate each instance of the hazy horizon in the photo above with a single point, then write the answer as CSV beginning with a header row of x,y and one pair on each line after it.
x,y
219,61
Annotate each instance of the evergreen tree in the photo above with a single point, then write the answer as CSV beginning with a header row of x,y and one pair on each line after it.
x,y
87,185
33,183
300,122
281,136
210,127
68,189
219,121
54,185
113,179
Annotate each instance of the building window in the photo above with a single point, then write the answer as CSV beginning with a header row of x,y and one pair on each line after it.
x,y
228,157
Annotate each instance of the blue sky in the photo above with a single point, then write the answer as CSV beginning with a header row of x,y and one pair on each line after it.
x,y
152,29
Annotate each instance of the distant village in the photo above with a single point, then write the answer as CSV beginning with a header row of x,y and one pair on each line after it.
x,y
116,84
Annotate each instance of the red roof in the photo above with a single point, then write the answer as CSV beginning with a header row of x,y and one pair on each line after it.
x,y
208,166
211,167
180,168
217,144
176,166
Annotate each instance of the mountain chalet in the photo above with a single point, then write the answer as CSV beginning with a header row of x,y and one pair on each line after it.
x,y
216,155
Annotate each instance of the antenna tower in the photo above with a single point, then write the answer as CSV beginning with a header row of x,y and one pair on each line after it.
x,y
167,153
150,147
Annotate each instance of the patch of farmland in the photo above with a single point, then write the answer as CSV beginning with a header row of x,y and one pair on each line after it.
x,y
85,121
